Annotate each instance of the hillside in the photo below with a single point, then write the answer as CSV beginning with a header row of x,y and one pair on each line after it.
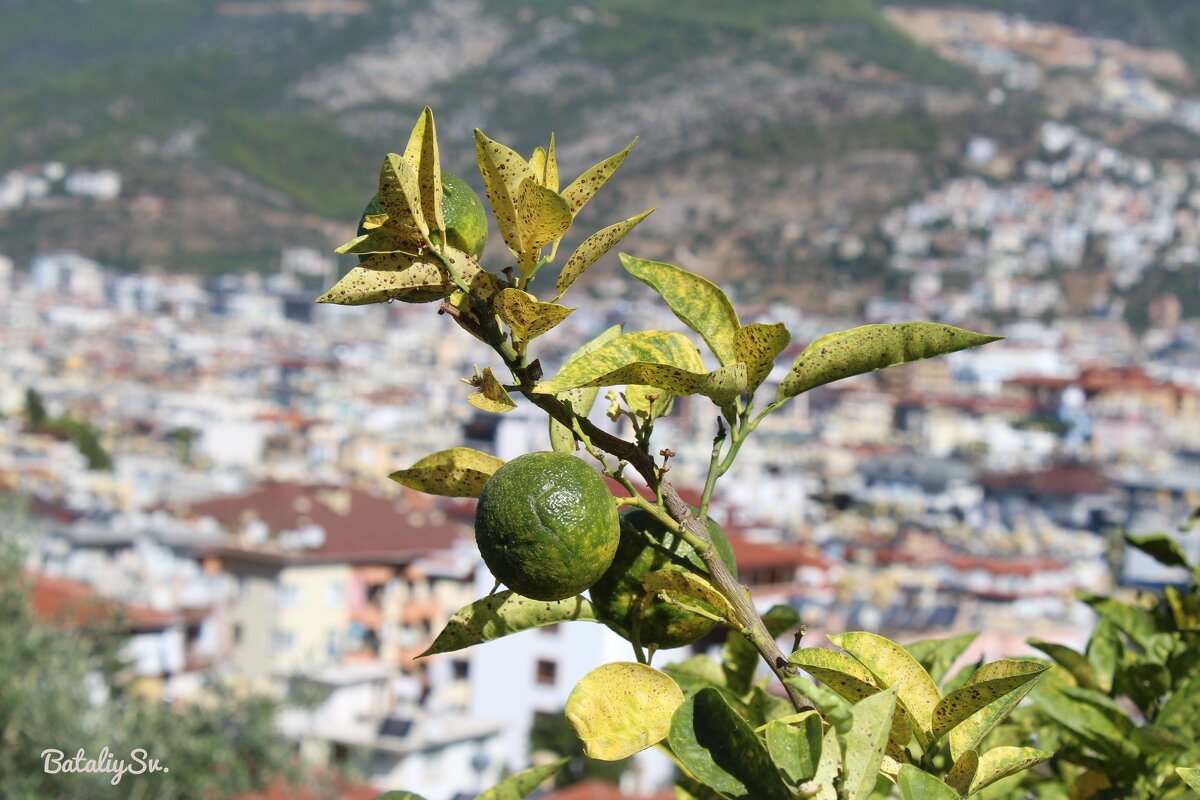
x,y
768,129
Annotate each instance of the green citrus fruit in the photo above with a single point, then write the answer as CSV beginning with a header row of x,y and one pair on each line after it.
x,y
646,546
546,525
466,220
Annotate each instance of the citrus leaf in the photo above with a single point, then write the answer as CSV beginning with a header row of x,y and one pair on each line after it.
x,y
650,401
1164,549
796,748
866,741
550,181
722,385
593,249
1104,650
503,170
653,347
720,748
581,399
834,707
740,658
988,685
421,153
968,734
491,396
622,708
377,240
457,472
586,185
542,215
399,796
527,317
977,772
918,785
696,673
688,584
871,347
698,303
516,787
828,767
892,665
504,613
1190,776
756,345
400,276
1105,729
1075,663
938,655
537,163
400,195
1132,621
838,671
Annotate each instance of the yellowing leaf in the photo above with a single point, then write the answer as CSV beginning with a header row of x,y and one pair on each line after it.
x,y
586,185
698,303
537,163
1190,776
421,153
989,684
968,734
654,347
581,399
972,772
756,345
828,767
550,181
376,240
400,276
400,195
542,215
620,709
838,671
491,395
871,347
688,585
593,249
503,170
505,613
722,386
528,318
892,665
457,472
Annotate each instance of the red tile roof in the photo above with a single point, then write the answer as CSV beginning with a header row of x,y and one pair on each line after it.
x,y
1062,480
73,605
599,790
280,789
358,526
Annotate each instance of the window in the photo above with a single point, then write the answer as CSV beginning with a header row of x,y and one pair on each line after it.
x,y
281,640
461,669
286,595
545,672
550,630
335,594
237,633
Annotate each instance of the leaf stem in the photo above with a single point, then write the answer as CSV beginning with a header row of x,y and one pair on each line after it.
x,y
450,268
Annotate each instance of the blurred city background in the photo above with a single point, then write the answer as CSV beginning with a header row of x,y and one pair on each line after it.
x,y
200,533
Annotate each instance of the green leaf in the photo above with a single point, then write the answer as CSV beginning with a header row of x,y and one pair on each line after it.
x,y
1075,663
917,785
1132,621
503,170
401,276
517,786
586,185
871,347
892,665
504,613
765,707
756,345
1190,776
938,655
400,196
542,215
457,472
1164,549
581,399
491,396
1105,728
698,303
796,748
973,772
421,153
593,249
528,318
987,686
1103,652
696,673
968,734
720,748
620,709
399,796
688,585
828,767
866,743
